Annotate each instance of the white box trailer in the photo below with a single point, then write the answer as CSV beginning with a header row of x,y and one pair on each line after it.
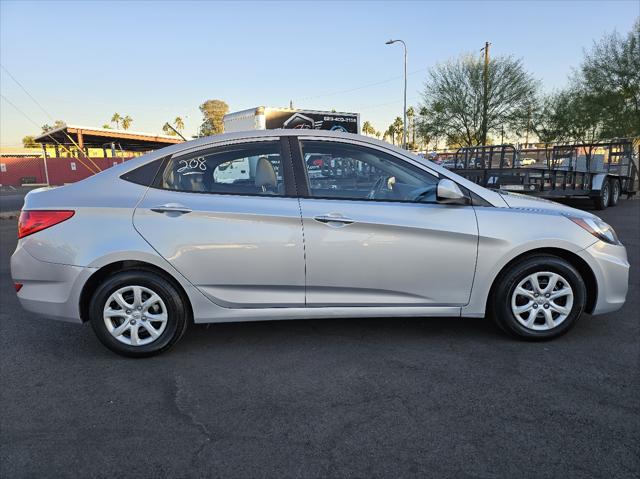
x,y
267,118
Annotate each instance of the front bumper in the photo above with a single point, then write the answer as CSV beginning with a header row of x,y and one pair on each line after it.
x,y
49,289
611,268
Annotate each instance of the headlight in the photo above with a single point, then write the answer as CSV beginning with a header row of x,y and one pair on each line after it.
x,y
597,228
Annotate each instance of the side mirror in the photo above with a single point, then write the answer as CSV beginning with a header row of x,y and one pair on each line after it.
x,y
450,193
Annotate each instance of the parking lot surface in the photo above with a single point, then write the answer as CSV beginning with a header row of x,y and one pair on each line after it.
x,y
331,398
12,199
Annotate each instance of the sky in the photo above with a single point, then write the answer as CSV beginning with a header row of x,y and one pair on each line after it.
x,y
83,61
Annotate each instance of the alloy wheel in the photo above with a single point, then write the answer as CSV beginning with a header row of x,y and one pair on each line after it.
x,y
135,315
542,301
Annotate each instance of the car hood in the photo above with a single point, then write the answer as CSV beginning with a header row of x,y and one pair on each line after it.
x,y
532,203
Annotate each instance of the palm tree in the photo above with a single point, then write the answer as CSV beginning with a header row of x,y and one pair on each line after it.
x,y
178,123
126,122
411,113
391,132
368,128
397,126
116,118
168,130
377,133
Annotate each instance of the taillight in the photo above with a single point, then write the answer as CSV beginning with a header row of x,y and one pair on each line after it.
x,y
32,221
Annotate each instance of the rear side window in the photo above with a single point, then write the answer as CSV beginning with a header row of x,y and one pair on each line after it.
x,y
247,169
145,174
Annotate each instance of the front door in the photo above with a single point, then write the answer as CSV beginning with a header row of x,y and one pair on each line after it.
x,y
227,219
374,233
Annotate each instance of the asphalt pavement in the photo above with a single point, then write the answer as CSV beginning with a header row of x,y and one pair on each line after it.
x,y
12,198
325,398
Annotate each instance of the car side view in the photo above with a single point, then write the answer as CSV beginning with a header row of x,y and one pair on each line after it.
x,y
286,224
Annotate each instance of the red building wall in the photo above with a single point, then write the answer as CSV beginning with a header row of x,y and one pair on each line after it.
x,y
14,170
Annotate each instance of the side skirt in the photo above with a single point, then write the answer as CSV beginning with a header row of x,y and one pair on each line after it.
x,y
270,314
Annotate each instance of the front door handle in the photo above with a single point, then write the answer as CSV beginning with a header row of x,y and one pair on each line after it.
x,y
171,208
333,219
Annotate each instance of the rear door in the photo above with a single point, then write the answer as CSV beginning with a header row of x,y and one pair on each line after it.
x,y
374,233
228,219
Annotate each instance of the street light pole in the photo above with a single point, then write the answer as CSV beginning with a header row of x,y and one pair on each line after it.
x,y
404,111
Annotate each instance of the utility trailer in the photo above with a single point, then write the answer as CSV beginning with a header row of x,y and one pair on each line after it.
x,y
601,171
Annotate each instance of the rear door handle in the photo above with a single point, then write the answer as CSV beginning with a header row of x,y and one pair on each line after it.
x,y
171,208
333,219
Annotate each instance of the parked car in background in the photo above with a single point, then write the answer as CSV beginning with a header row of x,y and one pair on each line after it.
x,y
528,161
147,247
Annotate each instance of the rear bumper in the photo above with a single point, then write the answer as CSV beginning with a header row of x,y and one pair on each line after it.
x,y
49,289
611,268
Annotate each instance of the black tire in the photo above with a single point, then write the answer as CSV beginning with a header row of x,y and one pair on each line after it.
x,y
615,192
500,302
176,310
602,200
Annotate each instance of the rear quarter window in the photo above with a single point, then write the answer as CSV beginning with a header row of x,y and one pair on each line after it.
x,y
144,175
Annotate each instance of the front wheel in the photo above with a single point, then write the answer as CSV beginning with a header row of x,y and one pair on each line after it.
x,y
539,298
138,314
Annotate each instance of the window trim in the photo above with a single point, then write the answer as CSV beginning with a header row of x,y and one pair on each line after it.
x,y
285,158
302,174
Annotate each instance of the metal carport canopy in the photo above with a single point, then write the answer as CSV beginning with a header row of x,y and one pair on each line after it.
x,y
91,137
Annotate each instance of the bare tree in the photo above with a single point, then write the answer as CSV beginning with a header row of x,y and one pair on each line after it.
x,y
454,93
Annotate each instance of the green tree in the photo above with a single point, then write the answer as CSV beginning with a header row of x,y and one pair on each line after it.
x,y
29,142
549,120
426,130
126,122
212,112
116,118
106,126
178,123
579,118
368,129
454,94
609,78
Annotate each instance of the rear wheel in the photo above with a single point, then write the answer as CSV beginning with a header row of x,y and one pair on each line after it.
x,y
615,192
138,314
539,298
602,200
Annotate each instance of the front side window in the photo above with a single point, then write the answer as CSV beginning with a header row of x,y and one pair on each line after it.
x,y
254,169
340,170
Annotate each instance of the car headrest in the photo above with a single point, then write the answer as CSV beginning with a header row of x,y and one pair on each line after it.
x,y
265,174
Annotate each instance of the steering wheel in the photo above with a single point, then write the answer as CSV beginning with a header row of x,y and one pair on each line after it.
x,y
377,187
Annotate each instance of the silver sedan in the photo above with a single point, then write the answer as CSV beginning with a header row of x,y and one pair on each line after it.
x,y
285,224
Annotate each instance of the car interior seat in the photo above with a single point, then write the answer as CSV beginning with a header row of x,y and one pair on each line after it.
x,y
265,180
